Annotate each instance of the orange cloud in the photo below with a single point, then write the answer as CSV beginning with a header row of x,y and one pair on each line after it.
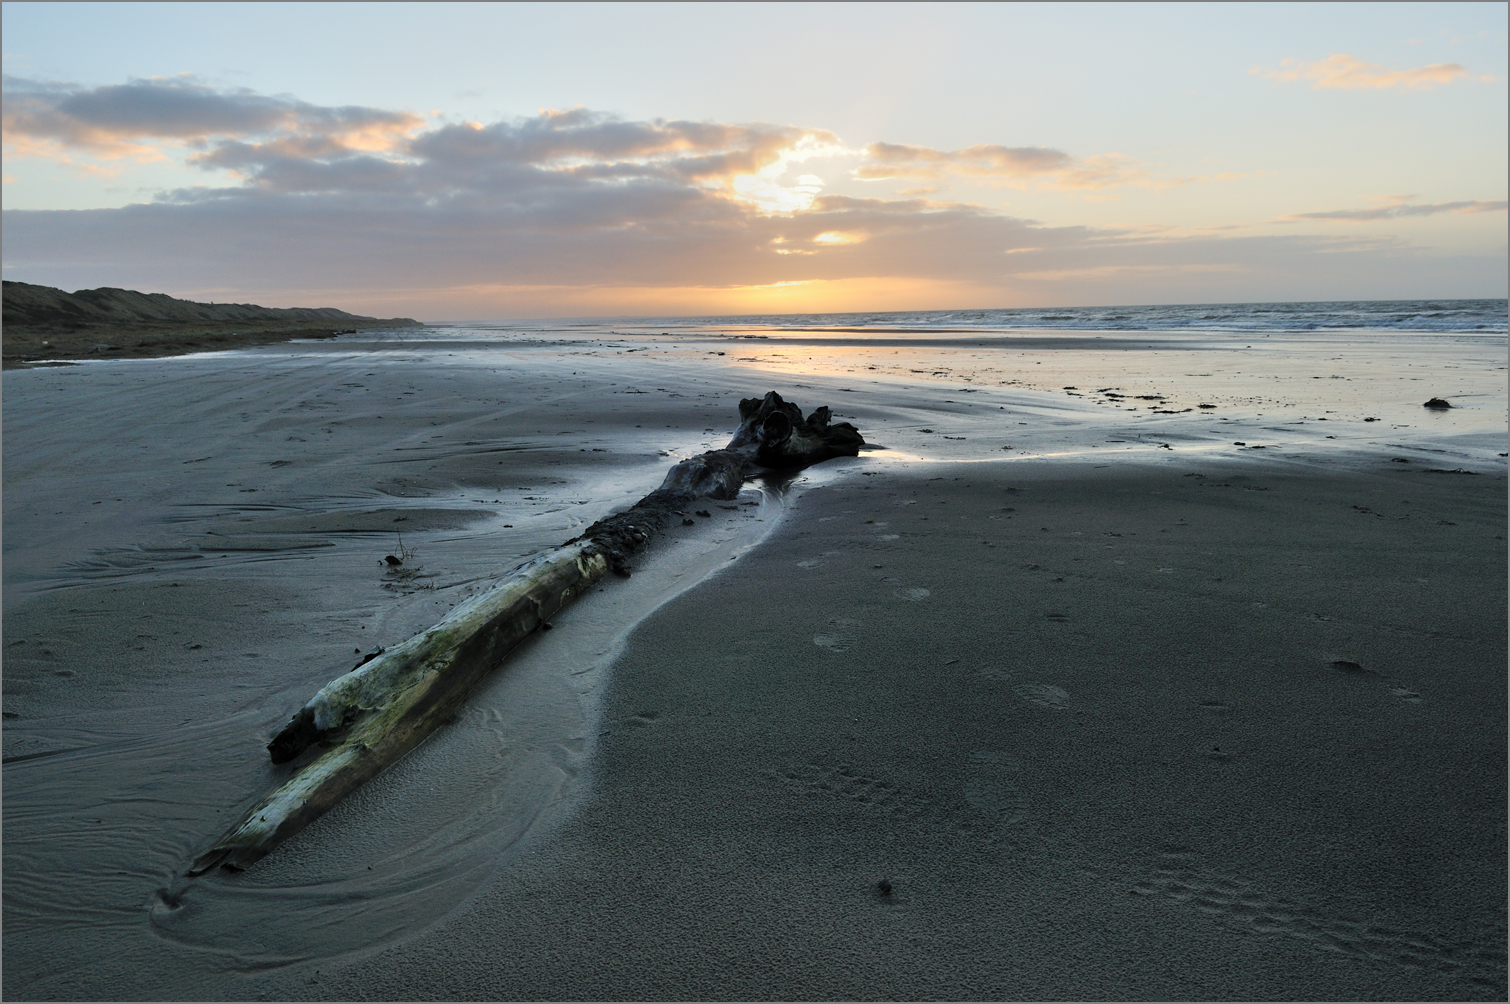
x,y
1100,171
1053,169
22,146
898,160
1343,72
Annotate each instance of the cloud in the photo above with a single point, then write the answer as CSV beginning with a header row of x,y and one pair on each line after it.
x,y
896,160
577,246
589,142
546,163
575,211
1343,72
282,145
1398,208
42,118
1054,169
1102,171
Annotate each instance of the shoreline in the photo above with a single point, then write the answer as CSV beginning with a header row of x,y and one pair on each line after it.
x,y
28,348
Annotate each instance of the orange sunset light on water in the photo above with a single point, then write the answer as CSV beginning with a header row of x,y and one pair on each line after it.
x,y
788,296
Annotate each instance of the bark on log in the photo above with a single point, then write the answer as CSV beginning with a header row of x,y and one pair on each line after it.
x,y
373,715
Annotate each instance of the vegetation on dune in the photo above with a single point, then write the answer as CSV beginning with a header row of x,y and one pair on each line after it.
x,y
44,323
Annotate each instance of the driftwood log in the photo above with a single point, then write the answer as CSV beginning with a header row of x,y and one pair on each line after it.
x,y
373,715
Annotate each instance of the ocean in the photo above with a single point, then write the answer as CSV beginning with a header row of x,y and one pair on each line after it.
x,y
1447,316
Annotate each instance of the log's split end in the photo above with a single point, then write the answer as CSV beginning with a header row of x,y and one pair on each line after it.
x,y
373,715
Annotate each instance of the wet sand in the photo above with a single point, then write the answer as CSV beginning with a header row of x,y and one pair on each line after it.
x,y
1128,735
48,348
1239,733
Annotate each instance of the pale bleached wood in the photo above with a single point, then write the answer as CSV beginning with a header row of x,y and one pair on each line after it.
x,y
370,717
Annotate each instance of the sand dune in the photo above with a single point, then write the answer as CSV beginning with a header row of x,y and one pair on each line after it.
x,y
43,323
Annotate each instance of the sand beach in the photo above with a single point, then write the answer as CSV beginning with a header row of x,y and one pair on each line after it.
x,y
746,502
1121,665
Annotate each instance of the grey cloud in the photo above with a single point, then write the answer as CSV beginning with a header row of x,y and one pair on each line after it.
x,y
699,148
179,108
287,174
289,147
172,108
1398,211
550,168
652,237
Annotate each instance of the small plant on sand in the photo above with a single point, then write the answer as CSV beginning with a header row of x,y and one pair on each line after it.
x,y
401,570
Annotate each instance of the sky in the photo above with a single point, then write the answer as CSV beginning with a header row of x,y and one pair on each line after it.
x,y
469,161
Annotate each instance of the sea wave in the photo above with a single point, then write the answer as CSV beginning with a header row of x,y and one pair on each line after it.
x,y
1446,316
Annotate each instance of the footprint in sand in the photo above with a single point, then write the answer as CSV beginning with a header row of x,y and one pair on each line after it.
x,y
1245,905
994,758
859,789
912,594
994,793
996,798
1045,695
839,637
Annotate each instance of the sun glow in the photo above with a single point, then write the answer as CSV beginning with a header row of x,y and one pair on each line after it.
x,y
765,187
790,295
767,193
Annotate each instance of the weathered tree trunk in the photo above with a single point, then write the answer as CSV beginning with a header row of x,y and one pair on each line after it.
x,y
373,715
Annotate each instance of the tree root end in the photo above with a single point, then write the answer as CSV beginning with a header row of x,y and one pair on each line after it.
x,y
297,736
